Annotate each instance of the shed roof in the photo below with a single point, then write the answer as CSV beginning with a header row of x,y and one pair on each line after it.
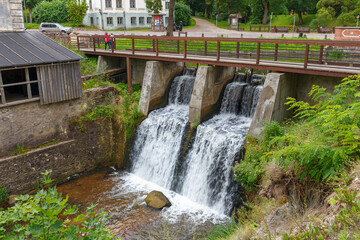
x,y
31,48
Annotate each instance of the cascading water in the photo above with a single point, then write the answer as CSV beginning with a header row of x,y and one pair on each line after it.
x,y
158,138
218,143
206,174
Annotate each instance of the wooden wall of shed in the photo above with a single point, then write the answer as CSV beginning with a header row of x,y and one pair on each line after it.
x,y
59,82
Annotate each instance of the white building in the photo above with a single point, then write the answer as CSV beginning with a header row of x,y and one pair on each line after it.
x,y
121,14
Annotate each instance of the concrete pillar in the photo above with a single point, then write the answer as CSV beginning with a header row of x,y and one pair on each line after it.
x,y
277,88
271,105
156,82
209,83
108,62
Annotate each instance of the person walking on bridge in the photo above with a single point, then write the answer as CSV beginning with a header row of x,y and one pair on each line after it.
x,y
107,40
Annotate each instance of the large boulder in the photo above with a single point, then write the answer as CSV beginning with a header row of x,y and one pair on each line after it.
x,y
157,200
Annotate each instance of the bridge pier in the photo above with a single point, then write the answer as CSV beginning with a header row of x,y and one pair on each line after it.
x,y
156,83
277,88
209,83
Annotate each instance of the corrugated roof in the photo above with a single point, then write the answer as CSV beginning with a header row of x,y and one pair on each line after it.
x,y
31,48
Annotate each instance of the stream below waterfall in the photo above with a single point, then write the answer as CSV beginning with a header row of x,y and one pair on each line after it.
x,y
195,174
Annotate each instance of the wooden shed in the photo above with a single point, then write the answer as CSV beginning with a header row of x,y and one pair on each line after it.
x,y
35,68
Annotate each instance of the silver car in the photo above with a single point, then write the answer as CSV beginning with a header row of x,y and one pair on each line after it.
x,y
54,28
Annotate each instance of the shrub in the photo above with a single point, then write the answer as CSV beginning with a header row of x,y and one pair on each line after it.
x,y
54,11
182,13
3,194
47,215
77,11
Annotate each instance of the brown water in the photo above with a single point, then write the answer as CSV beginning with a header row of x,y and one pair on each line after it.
x,y
122,195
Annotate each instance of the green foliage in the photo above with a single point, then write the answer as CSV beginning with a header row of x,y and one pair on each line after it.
x,y
19,150
223,231
154,6
100,112
321,144
346,224
3,194
54,11
182,13
77,11
47,215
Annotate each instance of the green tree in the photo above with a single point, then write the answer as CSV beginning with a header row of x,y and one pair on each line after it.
x,y
30,4
77,11
154,6
301,6
182,13
54,11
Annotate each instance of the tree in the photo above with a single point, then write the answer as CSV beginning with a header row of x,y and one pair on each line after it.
x,y
77,11
182,13
54,11
301,6
154,6
30,4
170,27
265,4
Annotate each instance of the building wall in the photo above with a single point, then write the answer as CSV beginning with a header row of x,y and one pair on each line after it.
x,y
96,6
11,17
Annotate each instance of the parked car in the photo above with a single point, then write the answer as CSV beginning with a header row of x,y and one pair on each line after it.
x,y
54,28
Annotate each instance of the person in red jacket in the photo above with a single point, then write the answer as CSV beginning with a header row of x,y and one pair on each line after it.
x,y
107,40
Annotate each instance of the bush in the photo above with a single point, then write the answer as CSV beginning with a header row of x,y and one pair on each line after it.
x,y
77,11
182,13
3,194
47,215
54,11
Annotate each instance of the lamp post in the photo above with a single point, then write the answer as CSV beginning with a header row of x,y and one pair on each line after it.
x,y
357,22
270,21
294,24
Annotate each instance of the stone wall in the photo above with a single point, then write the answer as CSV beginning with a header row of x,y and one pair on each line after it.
x,y
96,144
11,16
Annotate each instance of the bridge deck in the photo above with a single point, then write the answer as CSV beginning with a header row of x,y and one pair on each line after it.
x,y
329,58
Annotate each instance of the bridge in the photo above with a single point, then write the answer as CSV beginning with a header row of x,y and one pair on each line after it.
x,y
314,57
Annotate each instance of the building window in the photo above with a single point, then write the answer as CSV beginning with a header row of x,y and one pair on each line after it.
x,y
167,5
167,20
119,20
118,3
109,21
148,20
91,20
107,3
133,20
132,3
18,85
141,20
90,4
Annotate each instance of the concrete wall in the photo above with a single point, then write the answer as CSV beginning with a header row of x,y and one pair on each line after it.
x,y
11,16
277,88
156,83
96,144
137,66
209,83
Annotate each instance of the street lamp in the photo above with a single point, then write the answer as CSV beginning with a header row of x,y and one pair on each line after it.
x,y
294,24
216,18
270,21
357,22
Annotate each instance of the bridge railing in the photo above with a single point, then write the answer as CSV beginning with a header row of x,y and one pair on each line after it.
x,y
340,53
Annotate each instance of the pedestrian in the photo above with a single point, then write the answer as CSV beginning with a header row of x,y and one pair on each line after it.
x,y
175,27
112,40
181,26
107,40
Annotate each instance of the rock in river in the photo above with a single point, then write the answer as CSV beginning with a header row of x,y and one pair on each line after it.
x,y
157,200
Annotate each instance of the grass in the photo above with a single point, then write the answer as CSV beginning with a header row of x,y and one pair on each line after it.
x,y
192,24
32,25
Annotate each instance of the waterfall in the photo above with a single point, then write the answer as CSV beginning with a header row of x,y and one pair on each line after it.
x,y
204,172
158,138
218,143
232,97
184,85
